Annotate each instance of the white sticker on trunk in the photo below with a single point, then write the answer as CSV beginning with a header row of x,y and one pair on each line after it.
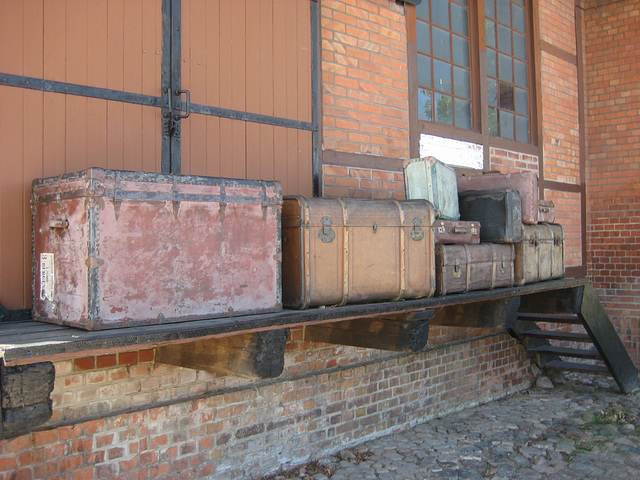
x,y
47,276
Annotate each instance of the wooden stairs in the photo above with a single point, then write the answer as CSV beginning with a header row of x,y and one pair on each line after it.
x,y
576,335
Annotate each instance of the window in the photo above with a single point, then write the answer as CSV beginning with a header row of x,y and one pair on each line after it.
x,y
452,78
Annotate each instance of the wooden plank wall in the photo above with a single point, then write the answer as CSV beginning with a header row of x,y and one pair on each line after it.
x,y
254,56
113,44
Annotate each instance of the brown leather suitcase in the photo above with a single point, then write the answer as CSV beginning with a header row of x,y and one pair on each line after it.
x,y
461,268
526,183
116,249
546,211
498,212
451,232
540,254
338,251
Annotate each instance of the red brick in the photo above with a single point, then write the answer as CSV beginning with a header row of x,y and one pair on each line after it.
x,y
85,363
105,361
128,358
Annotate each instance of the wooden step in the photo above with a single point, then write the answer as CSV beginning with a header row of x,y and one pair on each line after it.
x,y
556,335
591,353
577,367
550,317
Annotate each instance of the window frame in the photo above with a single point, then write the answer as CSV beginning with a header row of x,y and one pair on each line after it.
x,y
479,134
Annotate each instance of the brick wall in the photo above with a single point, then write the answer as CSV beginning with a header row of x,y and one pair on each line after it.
x,y
364,77
359,182
122,416
613,168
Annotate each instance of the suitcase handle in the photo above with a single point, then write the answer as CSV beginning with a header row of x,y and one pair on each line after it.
x,y
59,223
459,230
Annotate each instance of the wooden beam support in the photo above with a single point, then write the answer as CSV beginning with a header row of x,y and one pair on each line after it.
x,y
486,314
25,397
248,355
406,332
561,301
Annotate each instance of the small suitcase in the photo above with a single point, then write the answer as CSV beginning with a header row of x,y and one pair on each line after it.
x,y
526,183
546,211
452,231
497,211
430,179
115,249
461,268
540,254
339,250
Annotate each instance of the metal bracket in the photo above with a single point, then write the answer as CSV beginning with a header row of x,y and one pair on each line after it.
x,y
326,233
417,232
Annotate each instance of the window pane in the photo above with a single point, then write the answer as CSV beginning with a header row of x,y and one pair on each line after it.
x,y
506,97
425,104
462,82
441,44
459,20
440,13
522,125
463,113
504,39
503,8
506,68
507,129
424,71
422,10
492,63
522,101
490,8
492,89
490,27
493,122
442,76
518,19
460,51
424,37
520,46
520,71
444,112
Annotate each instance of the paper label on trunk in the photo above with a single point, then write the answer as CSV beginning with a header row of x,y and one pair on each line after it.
x,y
47,276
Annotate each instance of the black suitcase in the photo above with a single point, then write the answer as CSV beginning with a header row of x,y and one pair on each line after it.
x,y
498,211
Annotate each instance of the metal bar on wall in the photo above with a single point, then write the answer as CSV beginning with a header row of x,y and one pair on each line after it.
x,y
315,94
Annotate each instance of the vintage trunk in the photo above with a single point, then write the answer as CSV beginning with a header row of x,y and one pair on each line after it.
x,y
526,183
115,248
497,211
452,231
430,179
338,251
546,211
540,254
461,268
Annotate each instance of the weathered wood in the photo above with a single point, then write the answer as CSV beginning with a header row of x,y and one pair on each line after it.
x,y
407,332
25,397
552,301
607,341
249,355
487,314
30,341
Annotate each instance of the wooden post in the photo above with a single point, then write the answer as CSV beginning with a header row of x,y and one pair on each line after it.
x,y
249,355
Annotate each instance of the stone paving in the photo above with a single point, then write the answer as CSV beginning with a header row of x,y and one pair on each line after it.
x,y
581,428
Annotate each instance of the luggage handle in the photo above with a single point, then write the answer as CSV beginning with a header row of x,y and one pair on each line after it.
x,y
459,230
59,223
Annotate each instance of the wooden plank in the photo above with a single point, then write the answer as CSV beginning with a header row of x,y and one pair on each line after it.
x,y
485,314
250,355
407,332
607,341
563,301
27,343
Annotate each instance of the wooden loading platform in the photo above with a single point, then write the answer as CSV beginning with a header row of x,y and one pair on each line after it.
x,y
253,346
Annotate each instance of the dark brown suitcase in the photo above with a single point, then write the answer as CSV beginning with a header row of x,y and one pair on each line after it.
x,y
526,183
461,268
497,211
540,254
452,232
339,250
117,249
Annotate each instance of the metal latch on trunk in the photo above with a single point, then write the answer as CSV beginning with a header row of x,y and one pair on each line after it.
x,y
417,233
326,233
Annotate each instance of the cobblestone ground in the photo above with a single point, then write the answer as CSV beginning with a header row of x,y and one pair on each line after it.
x,y
583,428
